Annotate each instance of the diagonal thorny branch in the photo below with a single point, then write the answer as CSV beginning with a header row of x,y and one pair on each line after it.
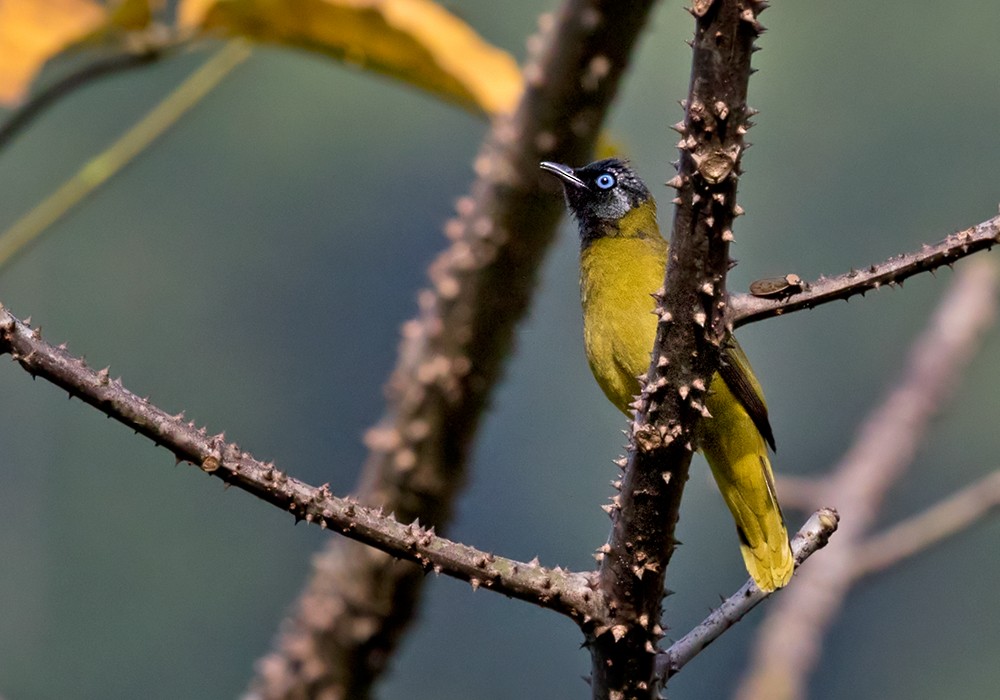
x,y
791,636
563,591
744,308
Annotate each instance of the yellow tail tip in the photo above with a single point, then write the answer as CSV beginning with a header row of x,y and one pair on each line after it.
x,y
769,569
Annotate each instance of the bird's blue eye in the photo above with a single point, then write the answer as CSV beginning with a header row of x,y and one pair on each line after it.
x,y
605,181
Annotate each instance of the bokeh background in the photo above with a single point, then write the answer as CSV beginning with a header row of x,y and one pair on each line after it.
x,y
253,268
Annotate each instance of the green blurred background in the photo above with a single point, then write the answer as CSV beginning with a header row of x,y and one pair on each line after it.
x,y
253,268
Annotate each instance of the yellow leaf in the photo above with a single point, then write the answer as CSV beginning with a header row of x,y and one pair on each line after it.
x,y
32,31
133,15
416,41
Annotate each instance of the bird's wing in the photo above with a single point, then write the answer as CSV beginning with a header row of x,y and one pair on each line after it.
x,y
735,371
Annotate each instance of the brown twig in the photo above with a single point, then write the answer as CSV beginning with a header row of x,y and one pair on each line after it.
x,y
691,329
942,520
791,636
744,308
564,591
812,537
451,354
144,54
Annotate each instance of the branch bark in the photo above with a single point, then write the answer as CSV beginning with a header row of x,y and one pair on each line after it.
x,y
790,638
563,591
691,309
744,308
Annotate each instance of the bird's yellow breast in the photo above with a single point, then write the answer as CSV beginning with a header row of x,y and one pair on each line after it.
x,y
618,275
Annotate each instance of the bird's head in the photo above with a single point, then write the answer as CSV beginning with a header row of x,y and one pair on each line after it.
x,y
600,194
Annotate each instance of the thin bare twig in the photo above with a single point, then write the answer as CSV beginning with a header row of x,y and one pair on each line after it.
x,y
812,537
564,591
744,308
99,169
148,52
791,636
944,519
691,309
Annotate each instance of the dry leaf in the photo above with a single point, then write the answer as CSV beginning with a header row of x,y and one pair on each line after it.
x,y
416,41
133,15
32,31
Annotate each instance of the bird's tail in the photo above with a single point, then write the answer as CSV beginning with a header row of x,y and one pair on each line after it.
x,y
737,455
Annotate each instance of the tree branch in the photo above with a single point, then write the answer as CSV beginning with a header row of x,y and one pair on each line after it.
x,y
15,239
812,537
146,48
918,533
691,329
563,591
791,636
744,308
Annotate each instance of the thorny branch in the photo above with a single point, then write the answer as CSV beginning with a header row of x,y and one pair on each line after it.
x,y
790,638
691,309
744,308
564,591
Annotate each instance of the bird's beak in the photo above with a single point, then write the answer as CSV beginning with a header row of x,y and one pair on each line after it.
x,y
564,172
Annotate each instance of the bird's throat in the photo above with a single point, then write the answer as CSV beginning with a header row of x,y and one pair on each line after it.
x,y
638,222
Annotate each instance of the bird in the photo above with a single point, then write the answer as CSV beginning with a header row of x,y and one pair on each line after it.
x,y
623,260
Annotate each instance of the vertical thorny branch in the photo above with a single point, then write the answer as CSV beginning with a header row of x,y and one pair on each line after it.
x,y
691,310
